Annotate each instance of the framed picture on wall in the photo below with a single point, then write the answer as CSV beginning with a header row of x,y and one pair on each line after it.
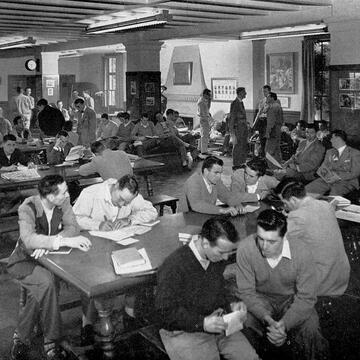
x,y
223,89
183,73
284,101
281,73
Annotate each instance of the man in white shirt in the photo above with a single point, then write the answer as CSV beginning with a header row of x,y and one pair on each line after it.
x,y
112,205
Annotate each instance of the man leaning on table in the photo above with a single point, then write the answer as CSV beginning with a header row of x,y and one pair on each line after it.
x,y
202,190
10,156
57,151
191,298
46,222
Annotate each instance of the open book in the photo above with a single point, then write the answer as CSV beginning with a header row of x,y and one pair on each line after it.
x,y
327,174
75,153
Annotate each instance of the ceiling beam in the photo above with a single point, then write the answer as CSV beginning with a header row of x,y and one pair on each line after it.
x,y
209,10
203,16
301,2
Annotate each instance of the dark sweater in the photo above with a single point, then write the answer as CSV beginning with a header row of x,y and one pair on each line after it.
x,y
51,120
186,293
16,157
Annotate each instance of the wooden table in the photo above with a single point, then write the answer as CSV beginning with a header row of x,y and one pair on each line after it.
x,y
93,274
142,167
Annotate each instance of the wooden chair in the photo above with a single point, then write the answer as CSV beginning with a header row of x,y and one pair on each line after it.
x,y
163,200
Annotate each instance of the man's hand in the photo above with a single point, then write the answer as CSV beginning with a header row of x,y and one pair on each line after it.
x,y
120,223
78,242
230,210
9,168
276,331
38,253
214,323
106,225
238,306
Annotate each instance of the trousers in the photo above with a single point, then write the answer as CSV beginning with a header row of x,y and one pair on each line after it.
x,y
319,186
240,149
205,135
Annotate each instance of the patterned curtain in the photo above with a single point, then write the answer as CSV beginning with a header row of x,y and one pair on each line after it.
x,y
308,62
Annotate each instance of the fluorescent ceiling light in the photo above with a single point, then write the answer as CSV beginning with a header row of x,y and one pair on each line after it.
x,y
18,43
132,23
289,31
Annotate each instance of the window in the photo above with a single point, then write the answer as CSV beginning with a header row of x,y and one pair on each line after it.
x,y
110,81
321,79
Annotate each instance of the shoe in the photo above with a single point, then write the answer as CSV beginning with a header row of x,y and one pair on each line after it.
x,y
19,351
87,335
190,161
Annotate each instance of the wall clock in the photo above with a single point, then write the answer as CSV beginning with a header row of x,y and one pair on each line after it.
x,y
30,65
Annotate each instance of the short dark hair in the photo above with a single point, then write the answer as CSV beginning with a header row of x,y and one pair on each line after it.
x,y
217,227
129,182
17,118
79,100
62,133
273,95
272,220
49,185
239,90
169,112
310,126
289,187
340,133
18,89
68,125
105,116
210,161
206,92
96,147
303,124
123,114
42,102
176,112
9,137
145,115
268,87
112,143
258,165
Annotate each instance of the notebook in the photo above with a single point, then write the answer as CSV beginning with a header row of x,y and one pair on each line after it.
x,y
128,257
62,250
134,270
327,175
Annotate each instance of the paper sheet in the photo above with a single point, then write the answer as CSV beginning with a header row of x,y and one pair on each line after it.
x,y
122,233
234,322
251,208
127,241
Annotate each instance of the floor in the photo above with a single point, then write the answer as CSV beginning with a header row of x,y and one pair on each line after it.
x,y
340,318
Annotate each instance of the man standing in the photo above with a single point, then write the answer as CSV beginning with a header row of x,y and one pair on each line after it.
x,y
46,223
238,128
201,191
60,106
51,120
261,117
307,159
342,163
203,112
191,298
28,94
86,122
273,127
277,281
113,204
22,106
89,101
314,223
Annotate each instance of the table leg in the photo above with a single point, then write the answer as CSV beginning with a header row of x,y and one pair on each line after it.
x,y
148,184
106,328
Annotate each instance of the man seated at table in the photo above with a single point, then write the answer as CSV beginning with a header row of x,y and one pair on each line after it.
x,y
191,298
253,181
5,125
125,128
107,163
307,159
313,222
10,156
107,128
113,204
22,134
276,279
57,151
342,164
73,136
46,223
202,190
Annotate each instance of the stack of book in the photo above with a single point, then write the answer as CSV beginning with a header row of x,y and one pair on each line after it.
x,y
130,260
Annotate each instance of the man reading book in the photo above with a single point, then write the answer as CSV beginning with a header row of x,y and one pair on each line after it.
x,y
340,169
191,298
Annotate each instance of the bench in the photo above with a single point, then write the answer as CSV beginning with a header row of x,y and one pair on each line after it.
x,y
163,200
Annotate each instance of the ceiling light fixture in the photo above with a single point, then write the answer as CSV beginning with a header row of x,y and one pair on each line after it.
x,y
289,31
18,43
137,22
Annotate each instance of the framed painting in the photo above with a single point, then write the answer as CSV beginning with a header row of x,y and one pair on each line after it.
x,y
183,73
281,73
223,89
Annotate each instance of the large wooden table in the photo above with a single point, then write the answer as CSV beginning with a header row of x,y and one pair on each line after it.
x,y
142,167
93,274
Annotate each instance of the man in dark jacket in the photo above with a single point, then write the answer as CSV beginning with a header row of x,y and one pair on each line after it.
x,y
51,120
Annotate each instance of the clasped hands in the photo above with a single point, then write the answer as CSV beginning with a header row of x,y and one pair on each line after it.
x,y
276,332
233,210
108,225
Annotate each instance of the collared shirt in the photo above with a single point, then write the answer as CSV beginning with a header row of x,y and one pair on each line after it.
x,y
208,186
285,253
341,150
203,262
251,189
94,206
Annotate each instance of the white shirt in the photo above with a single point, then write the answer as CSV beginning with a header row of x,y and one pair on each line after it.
x,y
341,150
208,186
251,189
285,253
203,262
94,206
49,214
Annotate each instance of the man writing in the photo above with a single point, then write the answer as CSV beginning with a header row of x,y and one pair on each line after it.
x,y
191,297
277,281
201,191
46,222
